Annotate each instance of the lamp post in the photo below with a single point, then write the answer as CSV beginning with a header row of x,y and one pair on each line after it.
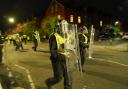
x,y
116,23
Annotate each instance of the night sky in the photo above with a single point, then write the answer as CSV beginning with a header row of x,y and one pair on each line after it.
x,y
113,7
22,9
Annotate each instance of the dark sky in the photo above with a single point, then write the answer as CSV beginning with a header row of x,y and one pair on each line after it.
x,y
22,9
113,7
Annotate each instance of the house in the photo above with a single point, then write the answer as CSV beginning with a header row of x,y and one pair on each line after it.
x,y
60,11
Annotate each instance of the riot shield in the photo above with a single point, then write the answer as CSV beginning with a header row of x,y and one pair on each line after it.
x,y
73,61
91,42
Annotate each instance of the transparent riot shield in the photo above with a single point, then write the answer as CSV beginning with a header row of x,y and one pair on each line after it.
x,y
28,69
73,60
91,42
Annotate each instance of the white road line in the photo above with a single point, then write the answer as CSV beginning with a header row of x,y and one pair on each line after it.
x,y
84,87
1,86
9,73
110,61
28,75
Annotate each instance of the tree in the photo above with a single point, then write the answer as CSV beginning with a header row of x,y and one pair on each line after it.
x,y
48,24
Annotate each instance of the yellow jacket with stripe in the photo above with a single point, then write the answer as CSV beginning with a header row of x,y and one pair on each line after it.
x,y
56,45
83,40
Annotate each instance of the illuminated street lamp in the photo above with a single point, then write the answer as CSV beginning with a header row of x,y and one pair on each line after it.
x,y
11,20
116,23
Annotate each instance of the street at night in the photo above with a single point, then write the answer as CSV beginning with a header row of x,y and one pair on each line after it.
x,y
64,44
106,70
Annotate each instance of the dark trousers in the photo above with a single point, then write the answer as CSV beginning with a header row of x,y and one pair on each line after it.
x,y
35,45
1,54
14,42
83,55
60,70
19,45
24,40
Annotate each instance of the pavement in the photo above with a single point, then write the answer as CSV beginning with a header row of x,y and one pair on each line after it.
x,y
106,70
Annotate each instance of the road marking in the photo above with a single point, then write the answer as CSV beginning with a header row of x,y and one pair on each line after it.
x,y
110,61
28,75
10,75
1,86
84,87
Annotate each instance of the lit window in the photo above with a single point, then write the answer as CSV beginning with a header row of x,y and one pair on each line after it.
x,y
79,19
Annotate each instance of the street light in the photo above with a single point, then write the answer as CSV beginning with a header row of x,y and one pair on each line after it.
x,y
116,23
11,20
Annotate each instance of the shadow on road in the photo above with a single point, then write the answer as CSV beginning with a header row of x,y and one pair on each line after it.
x,y
43,51
24,50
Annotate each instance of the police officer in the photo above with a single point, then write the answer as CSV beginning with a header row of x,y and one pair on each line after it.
x,y
83,45
1,47
35,40
24,38
58,59
18,42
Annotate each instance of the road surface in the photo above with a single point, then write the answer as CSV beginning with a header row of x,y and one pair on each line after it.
x,y
108,69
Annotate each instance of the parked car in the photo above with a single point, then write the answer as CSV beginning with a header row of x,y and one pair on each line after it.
x,y
125,36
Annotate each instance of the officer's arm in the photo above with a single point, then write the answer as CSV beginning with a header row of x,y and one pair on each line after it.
x,y
53,47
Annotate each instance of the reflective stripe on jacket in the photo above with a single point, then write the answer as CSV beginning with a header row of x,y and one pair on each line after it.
x,y
60,41
86,39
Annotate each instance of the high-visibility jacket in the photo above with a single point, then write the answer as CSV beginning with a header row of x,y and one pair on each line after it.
x,y
35,36
60,41
86,38
83,41
18,39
